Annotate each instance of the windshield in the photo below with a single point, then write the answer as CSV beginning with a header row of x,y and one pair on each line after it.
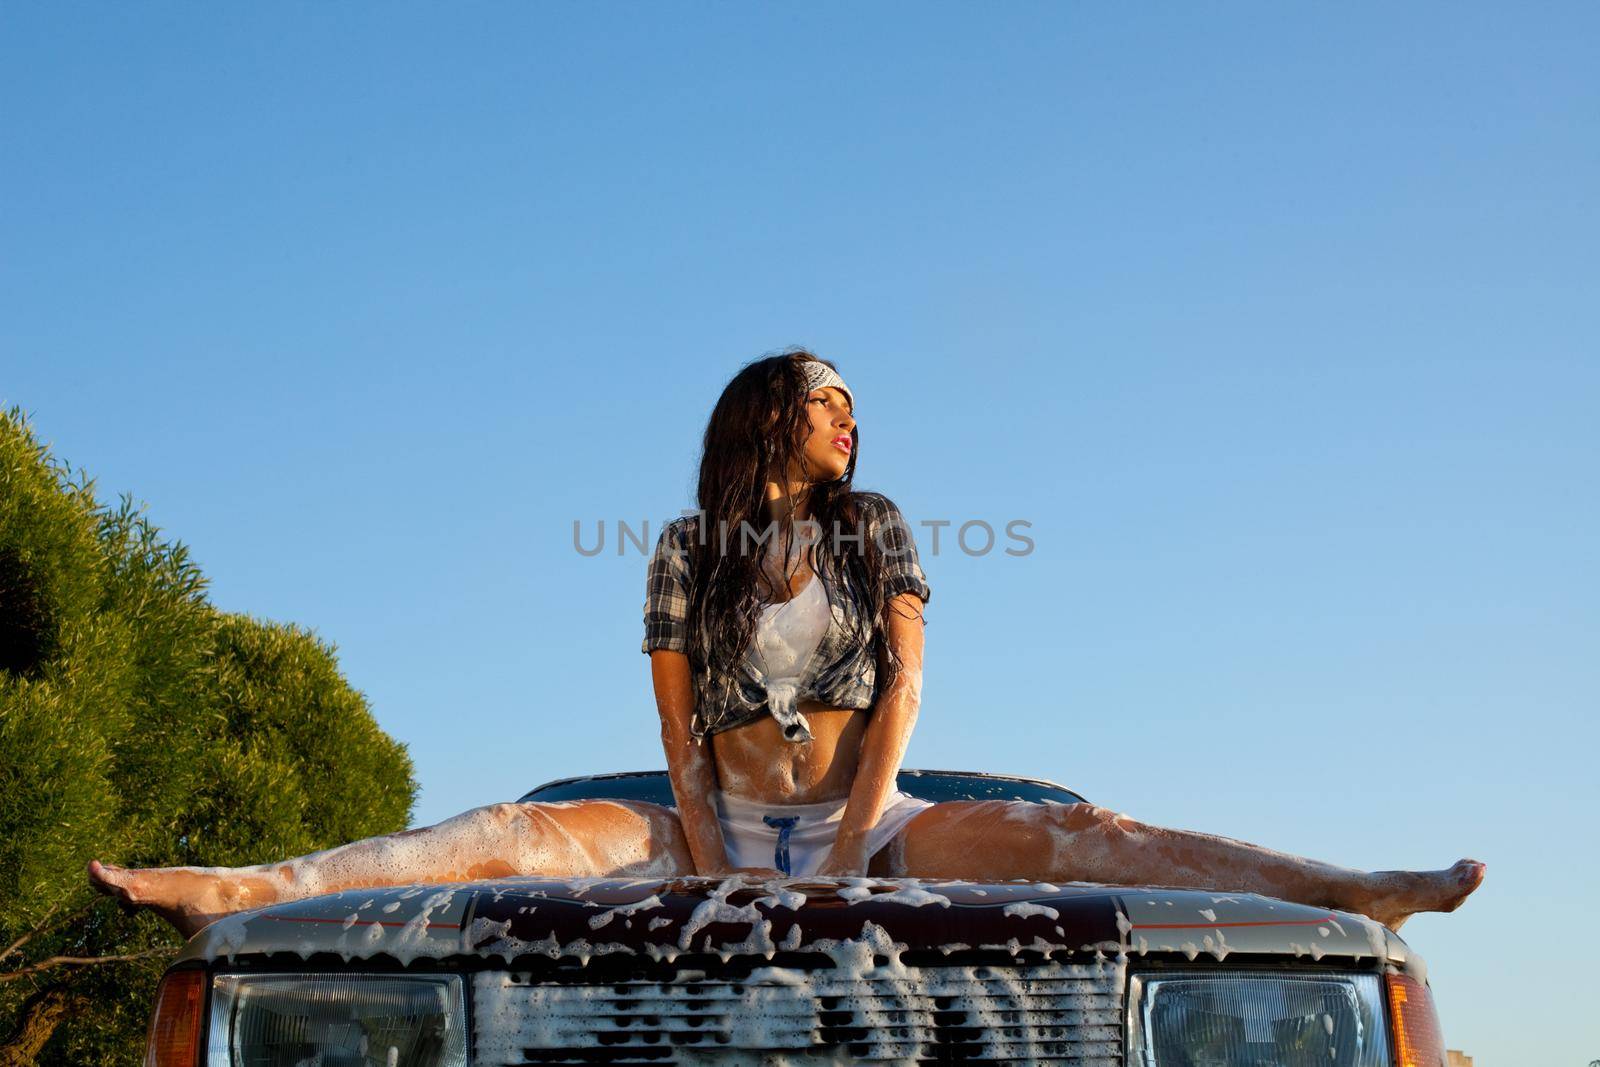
x,y
937,786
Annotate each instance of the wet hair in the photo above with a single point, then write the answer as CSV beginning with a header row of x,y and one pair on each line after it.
x,y
759,425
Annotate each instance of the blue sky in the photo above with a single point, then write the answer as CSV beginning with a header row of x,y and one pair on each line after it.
x,y
1277,323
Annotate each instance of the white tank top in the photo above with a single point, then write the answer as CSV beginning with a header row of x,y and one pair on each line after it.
x,y
787,633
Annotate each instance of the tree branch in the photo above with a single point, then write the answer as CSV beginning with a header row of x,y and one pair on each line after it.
x,y
31,934
81,961
44,926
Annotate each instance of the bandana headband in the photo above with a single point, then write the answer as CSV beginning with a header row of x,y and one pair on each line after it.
x,y
819,375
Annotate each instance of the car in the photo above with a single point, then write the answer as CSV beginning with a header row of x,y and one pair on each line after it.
x,y
743,970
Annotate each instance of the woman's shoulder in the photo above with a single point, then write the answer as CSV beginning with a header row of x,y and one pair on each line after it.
x,y
675,540
680,529
874,506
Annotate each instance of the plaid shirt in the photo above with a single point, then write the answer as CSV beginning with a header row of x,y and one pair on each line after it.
x,y
841,672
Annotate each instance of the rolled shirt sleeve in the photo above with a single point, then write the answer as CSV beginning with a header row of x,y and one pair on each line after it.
x,y
666,603
891,533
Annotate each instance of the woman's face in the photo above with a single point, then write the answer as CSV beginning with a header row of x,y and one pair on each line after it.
x,y
827,448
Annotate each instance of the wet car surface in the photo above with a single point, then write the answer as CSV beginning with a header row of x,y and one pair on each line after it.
x,y
796,970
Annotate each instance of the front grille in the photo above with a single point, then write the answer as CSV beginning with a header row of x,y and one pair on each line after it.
x,y
1038,1013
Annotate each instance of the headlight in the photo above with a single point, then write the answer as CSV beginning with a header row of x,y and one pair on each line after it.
x,y
284,1020
1256,1019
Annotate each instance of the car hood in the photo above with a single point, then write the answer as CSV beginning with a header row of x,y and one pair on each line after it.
x,y
529,920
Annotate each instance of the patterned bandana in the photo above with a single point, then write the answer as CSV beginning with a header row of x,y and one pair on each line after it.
x,y
819,375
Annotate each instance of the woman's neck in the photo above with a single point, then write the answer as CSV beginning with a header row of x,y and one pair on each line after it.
x,y
787,503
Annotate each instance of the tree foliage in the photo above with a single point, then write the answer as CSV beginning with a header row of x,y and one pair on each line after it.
x,y
141,725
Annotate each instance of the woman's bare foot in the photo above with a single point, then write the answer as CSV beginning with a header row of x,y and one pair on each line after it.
x,y
188,899
1395,896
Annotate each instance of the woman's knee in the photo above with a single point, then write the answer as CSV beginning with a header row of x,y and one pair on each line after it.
x,y
1082,817
506,815
489,819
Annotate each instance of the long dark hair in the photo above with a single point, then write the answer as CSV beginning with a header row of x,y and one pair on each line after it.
x,y
760,425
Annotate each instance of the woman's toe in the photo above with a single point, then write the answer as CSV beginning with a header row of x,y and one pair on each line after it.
x,y
104,876
1467,876
112,880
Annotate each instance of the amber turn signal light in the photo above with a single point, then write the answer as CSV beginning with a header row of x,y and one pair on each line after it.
x,y
1418,1041
174,1039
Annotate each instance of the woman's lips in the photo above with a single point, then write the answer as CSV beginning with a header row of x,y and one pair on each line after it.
x,y
842,443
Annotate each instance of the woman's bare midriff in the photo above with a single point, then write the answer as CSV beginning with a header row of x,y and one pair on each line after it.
x,y
754,762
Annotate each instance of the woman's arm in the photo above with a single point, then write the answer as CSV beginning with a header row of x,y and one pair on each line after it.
x,y
689,764
884,743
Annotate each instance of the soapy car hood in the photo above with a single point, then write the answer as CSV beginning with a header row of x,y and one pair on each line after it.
x,y
542,922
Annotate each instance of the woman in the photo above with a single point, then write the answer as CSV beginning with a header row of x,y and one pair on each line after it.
x,y
784,625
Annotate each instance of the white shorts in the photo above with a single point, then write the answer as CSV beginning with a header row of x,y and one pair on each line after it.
x,y
796,838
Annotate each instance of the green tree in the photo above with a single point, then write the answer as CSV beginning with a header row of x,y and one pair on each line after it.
x,y
140,724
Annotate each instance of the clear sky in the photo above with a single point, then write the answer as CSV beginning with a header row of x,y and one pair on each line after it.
x,y
1277,322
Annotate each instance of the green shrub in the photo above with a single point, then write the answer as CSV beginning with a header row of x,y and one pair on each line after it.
x,y
295,761
139,724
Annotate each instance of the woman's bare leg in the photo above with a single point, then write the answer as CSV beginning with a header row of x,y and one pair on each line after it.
x,y
594,838
1084,843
